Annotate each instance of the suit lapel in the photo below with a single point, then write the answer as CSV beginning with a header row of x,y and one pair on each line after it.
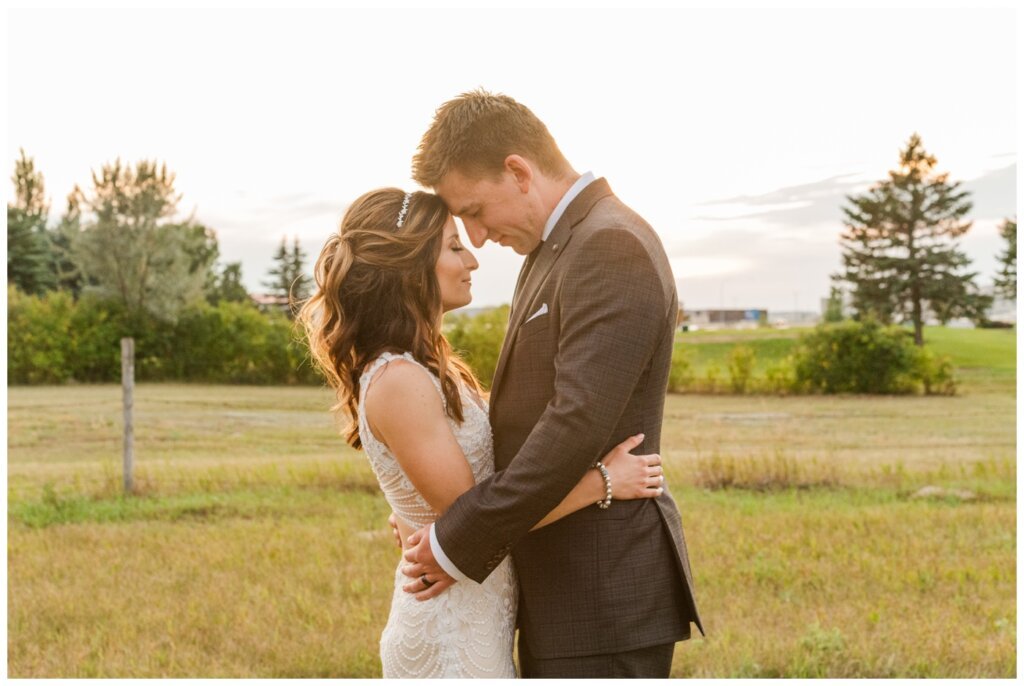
x,y
550,251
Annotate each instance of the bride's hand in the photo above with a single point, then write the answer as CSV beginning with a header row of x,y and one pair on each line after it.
x,y
634,476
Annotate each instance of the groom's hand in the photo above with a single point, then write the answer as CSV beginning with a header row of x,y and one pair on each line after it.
x,y
420,565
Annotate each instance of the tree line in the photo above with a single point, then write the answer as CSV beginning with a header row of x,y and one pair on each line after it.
x,y
122,241
121,262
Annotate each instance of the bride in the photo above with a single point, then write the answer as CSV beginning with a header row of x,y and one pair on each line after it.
x,y
384,281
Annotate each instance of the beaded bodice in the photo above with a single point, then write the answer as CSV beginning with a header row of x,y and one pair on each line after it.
x,y
473,436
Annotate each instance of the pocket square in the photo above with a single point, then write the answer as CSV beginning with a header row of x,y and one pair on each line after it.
x,y
543,310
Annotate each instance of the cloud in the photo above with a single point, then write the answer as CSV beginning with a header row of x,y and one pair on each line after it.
x,y
994,194
819,202
808,204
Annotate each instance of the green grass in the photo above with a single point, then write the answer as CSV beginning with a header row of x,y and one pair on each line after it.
x,y
257,545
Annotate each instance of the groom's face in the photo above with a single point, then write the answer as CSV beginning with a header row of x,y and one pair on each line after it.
x,y
500,209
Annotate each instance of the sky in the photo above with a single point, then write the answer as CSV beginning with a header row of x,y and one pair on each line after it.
x,y
736,133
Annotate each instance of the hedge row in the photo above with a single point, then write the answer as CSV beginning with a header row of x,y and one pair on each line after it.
x,y
54,339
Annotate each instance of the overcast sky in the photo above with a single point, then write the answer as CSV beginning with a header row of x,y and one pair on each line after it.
x,y
735,133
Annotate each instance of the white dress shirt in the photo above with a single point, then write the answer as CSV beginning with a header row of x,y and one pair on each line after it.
x,y
556,214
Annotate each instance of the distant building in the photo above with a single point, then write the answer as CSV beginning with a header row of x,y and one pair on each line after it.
x,y
269,301
782,319
724,319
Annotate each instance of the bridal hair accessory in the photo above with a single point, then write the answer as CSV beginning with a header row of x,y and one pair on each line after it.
x,y
604,504
405,208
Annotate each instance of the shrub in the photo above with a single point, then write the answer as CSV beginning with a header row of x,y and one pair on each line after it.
x,y
936,373
680,374
864,357
780,377
712,381
741,367
39,344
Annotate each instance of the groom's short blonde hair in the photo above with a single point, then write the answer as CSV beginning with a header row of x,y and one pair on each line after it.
x,y
474,133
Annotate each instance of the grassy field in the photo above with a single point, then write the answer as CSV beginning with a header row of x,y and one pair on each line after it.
x,y
258,545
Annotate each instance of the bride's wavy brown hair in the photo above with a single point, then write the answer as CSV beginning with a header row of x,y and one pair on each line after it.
x,y
377,292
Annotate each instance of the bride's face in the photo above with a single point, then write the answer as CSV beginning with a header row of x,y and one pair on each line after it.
x,y
453,269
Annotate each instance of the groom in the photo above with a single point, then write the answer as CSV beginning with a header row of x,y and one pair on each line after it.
x,y
605,592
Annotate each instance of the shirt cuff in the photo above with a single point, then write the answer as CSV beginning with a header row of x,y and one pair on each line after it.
x,y
442,559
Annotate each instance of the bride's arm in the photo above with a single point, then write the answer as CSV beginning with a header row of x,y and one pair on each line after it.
x,y
632,476
405,412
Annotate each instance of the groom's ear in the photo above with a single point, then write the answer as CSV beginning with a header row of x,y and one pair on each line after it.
x,y
521,171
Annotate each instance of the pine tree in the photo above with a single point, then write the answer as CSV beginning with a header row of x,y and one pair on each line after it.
x,y
300,282
28,249
899,248
834,306
67,275
278,280
1006,280
227,286
288,280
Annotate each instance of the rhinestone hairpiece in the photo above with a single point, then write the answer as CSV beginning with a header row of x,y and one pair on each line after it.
x,y
405,208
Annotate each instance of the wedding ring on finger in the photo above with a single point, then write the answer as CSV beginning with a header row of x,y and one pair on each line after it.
x,y
426,584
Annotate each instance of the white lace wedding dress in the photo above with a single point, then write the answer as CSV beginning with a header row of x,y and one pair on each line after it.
x,y
468,630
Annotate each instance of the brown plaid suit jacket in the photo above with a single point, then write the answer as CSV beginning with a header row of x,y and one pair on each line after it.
x,y
569,386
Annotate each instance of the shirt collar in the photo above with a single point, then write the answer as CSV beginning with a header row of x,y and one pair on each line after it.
x,y
569,196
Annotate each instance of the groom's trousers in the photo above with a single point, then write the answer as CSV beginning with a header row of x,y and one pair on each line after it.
x,y
653,662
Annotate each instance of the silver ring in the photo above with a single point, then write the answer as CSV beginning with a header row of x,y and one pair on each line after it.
x,y
426,584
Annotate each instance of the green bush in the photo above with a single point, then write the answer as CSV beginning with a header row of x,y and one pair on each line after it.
x,y
866,357
741,368
39,344
779,378
477,339
680,374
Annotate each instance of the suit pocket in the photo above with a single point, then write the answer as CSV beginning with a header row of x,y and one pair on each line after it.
x,y
533,327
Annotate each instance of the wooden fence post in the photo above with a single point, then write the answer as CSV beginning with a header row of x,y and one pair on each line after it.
x,y
128,388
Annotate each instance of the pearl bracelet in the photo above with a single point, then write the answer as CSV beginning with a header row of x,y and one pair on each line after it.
x,y
603,504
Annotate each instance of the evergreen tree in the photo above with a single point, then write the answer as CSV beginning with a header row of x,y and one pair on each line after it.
x,y
227,286
278,280
301,283
899,248
1006,280
287,278
67,275
28,249
834,306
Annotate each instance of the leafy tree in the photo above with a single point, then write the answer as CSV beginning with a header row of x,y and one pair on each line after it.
x,y
28,250
287,278
1006,280
132,251
899,248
